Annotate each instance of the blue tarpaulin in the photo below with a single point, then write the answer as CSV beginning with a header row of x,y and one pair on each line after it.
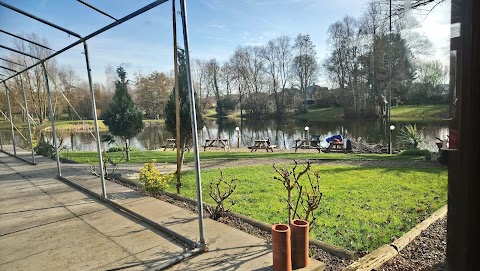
x,y
339,137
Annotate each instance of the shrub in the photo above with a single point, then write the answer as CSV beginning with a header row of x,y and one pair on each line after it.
x,y
45,148
153,180
417,152
308,196
219,192
411,137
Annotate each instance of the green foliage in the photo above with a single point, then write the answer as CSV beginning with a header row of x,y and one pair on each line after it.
x,y
417,152
225,105
185,122
153,180
120,149
45,148
122,117
411,137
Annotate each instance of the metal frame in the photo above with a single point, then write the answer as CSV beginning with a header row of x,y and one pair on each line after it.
x,y
199,247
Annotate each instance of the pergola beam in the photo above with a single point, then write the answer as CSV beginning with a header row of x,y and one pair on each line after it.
x,y
6,60
24,39
97,10
119,21
19,52
39,19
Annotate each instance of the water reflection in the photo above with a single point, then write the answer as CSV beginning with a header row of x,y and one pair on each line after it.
x,y
282,134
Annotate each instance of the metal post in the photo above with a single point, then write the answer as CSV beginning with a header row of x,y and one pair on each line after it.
x,y
95,121
177,98
7,92
193,113
52,119
389,96
28,118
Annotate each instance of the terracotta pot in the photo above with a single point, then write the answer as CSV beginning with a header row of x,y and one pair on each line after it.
x,y
299,241
281,248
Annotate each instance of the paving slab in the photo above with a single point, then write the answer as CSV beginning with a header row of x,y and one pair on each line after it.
x,y
48,225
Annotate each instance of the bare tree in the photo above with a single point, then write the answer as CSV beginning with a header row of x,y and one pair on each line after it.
x,y
200,81
304,64
277,54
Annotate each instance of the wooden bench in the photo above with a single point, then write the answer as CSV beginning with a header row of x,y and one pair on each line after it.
x,y
262,144
171,143
307,144
219,143
335,146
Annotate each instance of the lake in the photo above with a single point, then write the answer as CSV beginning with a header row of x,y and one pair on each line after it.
x,y
282,134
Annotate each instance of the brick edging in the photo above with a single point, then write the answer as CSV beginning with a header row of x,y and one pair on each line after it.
x,y
378,257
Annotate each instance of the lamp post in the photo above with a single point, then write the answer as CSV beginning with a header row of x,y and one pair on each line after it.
x,y
238,136
307,138
392,127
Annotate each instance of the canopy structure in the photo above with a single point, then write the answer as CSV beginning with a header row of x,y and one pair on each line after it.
x,y
17,73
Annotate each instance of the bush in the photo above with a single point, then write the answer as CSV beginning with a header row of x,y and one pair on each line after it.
x,y
154,182
411,137
225,105
45,148
121,149
417,152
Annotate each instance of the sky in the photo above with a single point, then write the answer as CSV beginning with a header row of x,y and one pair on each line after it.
x,y
216,28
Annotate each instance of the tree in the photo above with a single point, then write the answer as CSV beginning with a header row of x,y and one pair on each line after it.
x,y
305,64
152,92
185,119
122,117
277,54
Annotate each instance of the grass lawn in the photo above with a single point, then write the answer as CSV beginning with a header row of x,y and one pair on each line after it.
x,y
322,113
423,112
362,207
170,156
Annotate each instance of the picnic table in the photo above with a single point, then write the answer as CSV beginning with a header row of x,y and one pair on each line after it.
x,y
171,143
307,144
335,146
261,144
218,142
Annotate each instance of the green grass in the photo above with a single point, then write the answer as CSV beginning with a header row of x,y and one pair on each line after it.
x,y
362,208
333,113
419,112
161,156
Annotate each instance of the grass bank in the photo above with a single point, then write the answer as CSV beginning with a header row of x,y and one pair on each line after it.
x,y
170,156
362,208
399,113
333,113
419,112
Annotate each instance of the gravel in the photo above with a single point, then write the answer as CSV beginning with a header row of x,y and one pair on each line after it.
x,y
427,252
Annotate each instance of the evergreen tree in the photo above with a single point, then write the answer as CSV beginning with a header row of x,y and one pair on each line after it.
x,y
185,119
122,117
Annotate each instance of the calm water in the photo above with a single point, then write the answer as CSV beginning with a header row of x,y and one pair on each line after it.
x,y
281,134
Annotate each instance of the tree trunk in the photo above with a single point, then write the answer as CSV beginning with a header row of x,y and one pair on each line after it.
x,y
127,151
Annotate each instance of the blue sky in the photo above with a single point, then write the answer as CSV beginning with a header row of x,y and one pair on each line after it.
x,y
216,28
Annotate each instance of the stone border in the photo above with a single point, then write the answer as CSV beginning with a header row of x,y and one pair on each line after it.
x,y
334,250
378,257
